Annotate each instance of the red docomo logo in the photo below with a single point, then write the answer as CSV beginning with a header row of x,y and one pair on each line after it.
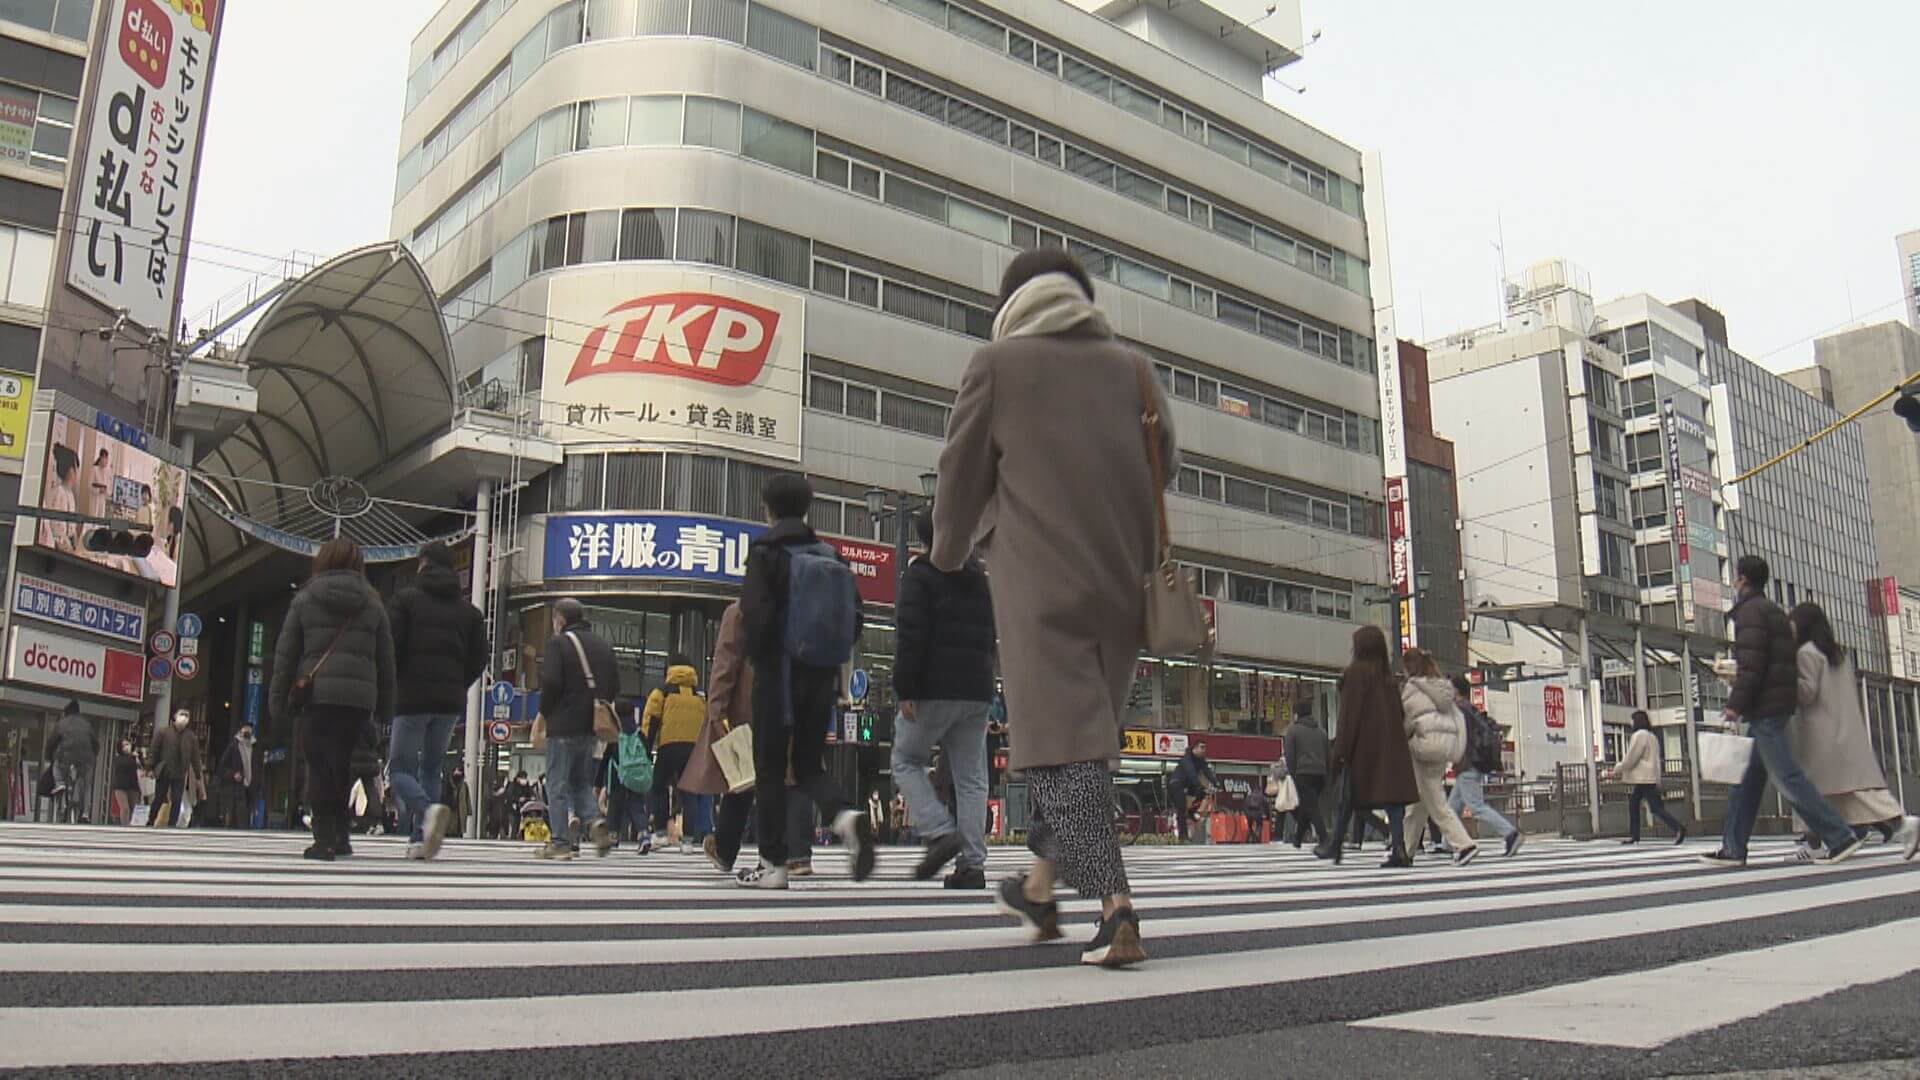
x,y
39,656
699,336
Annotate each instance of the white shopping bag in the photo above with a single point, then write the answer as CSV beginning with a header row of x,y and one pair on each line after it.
x,y
1288,799
1724,758
734,752
140,813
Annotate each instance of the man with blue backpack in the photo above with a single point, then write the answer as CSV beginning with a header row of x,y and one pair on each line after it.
x,y
1483,760
801,612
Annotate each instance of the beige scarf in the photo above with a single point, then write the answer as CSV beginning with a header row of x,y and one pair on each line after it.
x,y
1047,304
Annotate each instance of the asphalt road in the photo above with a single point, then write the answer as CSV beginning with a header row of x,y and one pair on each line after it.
x,y
225,954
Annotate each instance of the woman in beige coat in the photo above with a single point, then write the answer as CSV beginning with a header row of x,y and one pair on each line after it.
x,y
1046,471
1830,738
1437,738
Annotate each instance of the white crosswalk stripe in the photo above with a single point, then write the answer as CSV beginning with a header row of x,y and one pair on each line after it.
x,y
117,943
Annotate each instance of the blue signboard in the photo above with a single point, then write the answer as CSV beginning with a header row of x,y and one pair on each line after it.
x,y
857,685
68,606
250,701
190,625
501,693
680,547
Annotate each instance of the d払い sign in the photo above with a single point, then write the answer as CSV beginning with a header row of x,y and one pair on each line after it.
x,y
142,151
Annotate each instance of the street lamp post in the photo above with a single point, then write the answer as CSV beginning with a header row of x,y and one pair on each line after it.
x,y
904,507
1375,595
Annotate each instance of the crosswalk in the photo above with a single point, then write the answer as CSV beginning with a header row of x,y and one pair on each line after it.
x,y
186,947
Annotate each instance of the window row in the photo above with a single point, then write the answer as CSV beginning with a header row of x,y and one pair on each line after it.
x,y
1350,430
1237,588
70,19
1315,181
44,123
1322,261
858,401
844,282
460,42
26,263
1356,515
650,480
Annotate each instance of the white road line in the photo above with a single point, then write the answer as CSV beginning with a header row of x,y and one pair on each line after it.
x,y
1646,1009
64,957
48,1036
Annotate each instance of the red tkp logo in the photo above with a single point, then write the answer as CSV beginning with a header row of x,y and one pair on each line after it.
x,y
700,336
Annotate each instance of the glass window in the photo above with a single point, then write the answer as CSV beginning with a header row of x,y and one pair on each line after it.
x,y
913,414
73,19
916,304
831,168
980,221
1141,188
662,17
603,123
32,253
1246,495
829,279
918,198
772,253
566,26
776,142
827,395
705,237
968,25
921,99
1089,166
1210,487
782,37
863,402
654,121
1087,77
725,19
610,19
976,121
601,236
646,233
556,133
1144,279
516,162
863,288
1228,144
1233,227
866,181
1242,589
712,122
634,481
582,489
576,239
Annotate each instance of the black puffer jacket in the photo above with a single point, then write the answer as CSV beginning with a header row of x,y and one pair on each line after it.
x,y
359,674
565,700
946,635
1768,682
439,644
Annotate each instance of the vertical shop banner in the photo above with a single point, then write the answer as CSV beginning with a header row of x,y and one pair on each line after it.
x,y
19,111
1400,558
1393,418
641,355
16,407
142,151
1677,496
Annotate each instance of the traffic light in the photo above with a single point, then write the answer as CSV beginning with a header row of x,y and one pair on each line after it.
x,y
137,545
1907,407
866,729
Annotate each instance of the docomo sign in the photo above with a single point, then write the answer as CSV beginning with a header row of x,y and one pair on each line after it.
x,y
700,336
81,666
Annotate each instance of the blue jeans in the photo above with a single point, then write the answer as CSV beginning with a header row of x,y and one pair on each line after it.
x,y
413,765
959,729
1470,791
1773,756
570,785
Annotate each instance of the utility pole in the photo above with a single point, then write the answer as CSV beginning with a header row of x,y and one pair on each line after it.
x,y
477,693
1590,715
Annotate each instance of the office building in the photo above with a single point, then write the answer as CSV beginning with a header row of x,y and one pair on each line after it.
x,y
1859,366
826,193
1433,495
1907,244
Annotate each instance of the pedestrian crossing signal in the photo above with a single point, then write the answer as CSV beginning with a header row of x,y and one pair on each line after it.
x,y
866,728
136,545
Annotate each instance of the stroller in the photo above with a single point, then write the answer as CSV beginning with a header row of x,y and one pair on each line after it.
x,y
533,822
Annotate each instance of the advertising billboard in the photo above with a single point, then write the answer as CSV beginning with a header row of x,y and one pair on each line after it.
x,y
16,406
647,355
19,111
89,472
142,153
687,547
64,663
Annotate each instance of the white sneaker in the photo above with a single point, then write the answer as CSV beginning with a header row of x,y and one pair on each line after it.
x,y
439,820
1908,837
762,876
417,853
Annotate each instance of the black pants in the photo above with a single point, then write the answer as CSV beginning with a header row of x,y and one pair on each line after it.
x,y
331,733
1649,794
668,764
731,824
239,807
1358,817
812,692
1308,814
1183,806
167,792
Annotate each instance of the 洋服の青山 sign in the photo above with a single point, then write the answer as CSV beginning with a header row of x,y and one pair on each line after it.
x,y
687,547
639,355
43,659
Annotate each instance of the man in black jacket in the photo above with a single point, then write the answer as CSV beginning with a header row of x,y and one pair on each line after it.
x,y
793,703
568,690
1765,696
1192,781
439,649
943,678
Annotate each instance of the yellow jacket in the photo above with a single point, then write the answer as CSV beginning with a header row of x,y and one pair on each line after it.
x,y
677,716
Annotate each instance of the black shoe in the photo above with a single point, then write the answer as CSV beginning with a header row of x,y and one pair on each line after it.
x,y
1330,852
341,847
1042,919
856,832
1724,860
1116,941
941,850
1628,842
1514,840
1680,837
967,877
1397,859
319,852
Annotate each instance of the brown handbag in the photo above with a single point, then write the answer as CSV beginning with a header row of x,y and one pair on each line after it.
x,y
606,727
1176,624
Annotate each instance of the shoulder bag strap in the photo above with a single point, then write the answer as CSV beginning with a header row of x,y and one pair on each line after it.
x,y
338,635
1154,436
581,651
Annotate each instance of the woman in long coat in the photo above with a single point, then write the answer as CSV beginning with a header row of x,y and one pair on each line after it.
x,y
1371,747
1830,738
1046,471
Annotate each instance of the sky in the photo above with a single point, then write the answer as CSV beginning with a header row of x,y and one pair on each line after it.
x,y
1752,154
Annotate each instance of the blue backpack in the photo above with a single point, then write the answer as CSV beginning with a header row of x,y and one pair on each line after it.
x,y
823,607
632,765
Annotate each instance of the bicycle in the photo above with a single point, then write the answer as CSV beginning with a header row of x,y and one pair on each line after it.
x,y
1129,818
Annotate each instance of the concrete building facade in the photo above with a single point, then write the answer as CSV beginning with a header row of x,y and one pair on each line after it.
x,y
858,173
1859,366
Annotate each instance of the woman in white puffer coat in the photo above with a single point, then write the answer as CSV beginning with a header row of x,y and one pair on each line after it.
x,y
1437,738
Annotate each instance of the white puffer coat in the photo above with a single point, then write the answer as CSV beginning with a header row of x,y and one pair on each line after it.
x,y
1435,731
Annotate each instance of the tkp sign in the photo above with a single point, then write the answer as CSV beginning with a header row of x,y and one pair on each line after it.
x,y
647,355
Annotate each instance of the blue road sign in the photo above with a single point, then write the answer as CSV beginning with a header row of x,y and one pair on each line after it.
x,y
190,625
857,685
501,693
160,669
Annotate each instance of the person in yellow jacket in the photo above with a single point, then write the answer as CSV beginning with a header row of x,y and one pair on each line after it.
x,y
670,723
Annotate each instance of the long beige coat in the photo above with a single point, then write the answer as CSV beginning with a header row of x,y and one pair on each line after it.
x,y
1830,738
1046,469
